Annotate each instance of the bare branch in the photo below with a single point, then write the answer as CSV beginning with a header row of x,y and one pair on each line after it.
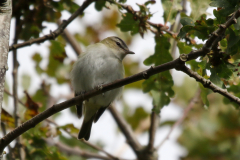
x,y
57,32
18,145
8,93
153,129
126,129
176,27
71,40
194,100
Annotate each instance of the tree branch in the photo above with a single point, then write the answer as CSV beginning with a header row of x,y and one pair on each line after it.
x,y
71,40
178,64
194,100
5,20
208,84
126,130
152,130
59,107
58,31
72,135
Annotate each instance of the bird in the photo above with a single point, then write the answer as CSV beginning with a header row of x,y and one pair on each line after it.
x,y
101,63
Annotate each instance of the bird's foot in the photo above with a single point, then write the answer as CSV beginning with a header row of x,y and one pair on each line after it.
x,y
81,93
99,87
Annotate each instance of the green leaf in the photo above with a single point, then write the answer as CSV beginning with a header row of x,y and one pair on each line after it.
x,y
237,25
187,21
161,54
150,2
61,5
226,7
215,78
38,58
100,4
233,42
40,95
184,48
220,3
235,90
160,85
202,28
128,23
233,38
204,94
56,68
135,119
223,71
122,1
160,99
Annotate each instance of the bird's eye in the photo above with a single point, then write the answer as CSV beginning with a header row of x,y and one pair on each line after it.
x,y
118,43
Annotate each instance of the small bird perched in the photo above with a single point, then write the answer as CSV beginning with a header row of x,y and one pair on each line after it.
x,y
100,64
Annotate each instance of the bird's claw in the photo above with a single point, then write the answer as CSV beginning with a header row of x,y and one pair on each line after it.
x,y
99,87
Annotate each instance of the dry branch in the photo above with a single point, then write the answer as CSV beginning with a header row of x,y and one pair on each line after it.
x,y
152,130
57,32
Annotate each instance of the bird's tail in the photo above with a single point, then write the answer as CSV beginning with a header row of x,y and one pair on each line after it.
x,y
85,130
89,116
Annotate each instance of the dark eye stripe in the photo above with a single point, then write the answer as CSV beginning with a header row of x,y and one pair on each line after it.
x,y
123,43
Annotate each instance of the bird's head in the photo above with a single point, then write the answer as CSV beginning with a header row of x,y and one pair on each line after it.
x,y
118,46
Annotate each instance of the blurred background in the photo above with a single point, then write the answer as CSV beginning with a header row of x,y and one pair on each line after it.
x,y
43,80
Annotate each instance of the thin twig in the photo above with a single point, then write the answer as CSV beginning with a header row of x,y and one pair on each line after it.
x,y
57,32
76,151
177,26
15,85
194,100
126,129
8,93
3,127
153,129
71,40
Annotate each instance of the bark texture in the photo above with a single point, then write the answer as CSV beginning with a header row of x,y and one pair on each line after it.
x,y
5,20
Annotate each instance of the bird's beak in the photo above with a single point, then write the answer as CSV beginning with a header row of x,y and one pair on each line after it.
x,y
130,52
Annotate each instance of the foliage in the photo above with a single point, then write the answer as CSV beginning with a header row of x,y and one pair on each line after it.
x,y
211,130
